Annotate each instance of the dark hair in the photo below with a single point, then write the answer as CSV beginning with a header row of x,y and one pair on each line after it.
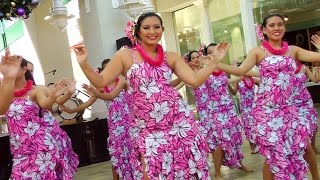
x,y
29,62
142,17
103,63
265,19
27,74
206,48
189,55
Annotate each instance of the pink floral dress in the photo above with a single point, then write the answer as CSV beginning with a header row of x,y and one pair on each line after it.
x,y
280,136
166,134
201,96
225,125
119,141
40,148
302,99
247,95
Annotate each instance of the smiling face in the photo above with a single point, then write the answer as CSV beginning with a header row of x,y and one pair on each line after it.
x,y
150,31
274,28
195,58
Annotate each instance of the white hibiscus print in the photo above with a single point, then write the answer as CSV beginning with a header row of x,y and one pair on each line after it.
x,y
48,141
151,149
181,129
184,107
116,116
283,80
156,138
159,111
114,160
32,175
148,87
213,106
203,115
273,59
273,137
276,123
179,175
225,100
167,75
194,169
15,141
15,111
226,134
270,107
167,161
137,175
195,151
43,161
140,123
216,84
119,130
49,118
261,129
223,118
31,128
265,85
204,97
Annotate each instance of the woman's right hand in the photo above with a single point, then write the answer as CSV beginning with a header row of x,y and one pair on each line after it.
x,y
66,109
90,90
58,88
10,65
81,53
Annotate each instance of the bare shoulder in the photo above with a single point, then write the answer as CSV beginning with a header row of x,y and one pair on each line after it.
x,y
172,57
124,52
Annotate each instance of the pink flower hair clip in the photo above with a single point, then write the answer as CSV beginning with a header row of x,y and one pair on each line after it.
x,y
259,31
185,57
130,31
201,49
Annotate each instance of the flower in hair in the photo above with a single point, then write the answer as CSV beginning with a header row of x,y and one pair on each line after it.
x,y
130,31
259,31
202,49
186,57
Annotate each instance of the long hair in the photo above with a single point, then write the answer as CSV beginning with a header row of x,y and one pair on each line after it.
x,y
27,75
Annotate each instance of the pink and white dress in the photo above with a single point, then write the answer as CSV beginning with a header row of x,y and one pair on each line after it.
x,y
281,137
119,140
167,135
40,148
225,126
302,99
201,96
246,89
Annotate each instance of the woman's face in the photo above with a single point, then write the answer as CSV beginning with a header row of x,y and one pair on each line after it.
x,y
195,58
22,72
30,68
210,50
274,28
150,31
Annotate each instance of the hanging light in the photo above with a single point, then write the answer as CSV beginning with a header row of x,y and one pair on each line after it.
x,y
133,8
59,15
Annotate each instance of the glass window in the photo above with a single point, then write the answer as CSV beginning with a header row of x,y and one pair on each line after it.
x,y
188,24
187,27
10,31
14,32
226,23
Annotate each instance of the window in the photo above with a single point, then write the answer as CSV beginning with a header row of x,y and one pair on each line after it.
x,y
10,31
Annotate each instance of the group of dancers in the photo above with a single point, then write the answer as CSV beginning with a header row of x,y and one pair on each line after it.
x,y
153,133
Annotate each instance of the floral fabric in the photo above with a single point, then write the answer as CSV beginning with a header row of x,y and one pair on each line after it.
x,y
280,135
40,148
224,125
247,96
119,141
167,138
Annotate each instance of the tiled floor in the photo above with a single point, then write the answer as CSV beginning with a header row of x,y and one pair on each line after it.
x,y
102,171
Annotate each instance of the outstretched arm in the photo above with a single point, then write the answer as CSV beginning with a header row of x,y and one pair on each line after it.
x,y
309,56
110,73
81,107
9,68
195,79
70,90
312,76
244,68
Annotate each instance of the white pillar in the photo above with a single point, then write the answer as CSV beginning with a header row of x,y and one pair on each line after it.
x,y
206,30
248,24
169,32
